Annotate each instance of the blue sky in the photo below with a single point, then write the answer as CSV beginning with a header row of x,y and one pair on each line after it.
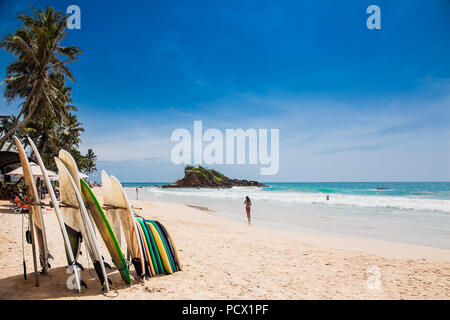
x,y
351,104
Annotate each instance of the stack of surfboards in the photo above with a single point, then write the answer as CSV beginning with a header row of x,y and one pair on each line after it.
x,y
150,246
160,253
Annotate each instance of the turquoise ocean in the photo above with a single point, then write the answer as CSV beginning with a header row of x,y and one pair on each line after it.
x,y
407,212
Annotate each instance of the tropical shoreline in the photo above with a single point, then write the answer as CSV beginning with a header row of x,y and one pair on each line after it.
x,y
392,218
314,140
224,259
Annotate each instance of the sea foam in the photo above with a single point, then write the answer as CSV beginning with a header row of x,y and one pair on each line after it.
x,y
260,194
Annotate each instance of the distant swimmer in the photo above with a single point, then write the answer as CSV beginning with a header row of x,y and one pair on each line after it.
x,y
328,197
248,204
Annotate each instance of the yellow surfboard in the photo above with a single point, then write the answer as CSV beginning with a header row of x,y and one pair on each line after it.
x,y
152,268
161,249
177,256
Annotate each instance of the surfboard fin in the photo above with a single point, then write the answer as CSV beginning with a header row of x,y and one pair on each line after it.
x,y
83,284
28,236
107,265
98,269
79,266
24,270
138,267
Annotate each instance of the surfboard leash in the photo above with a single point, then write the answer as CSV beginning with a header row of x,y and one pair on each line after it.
x,y
23,252
89,265
108,294
94,276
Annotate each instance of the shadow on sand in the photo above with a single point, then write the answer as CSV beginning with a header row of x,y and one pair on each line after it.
x,y
54,285
4,209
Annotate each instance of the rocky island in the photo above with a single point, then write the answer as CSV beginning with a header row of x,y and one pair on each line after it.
x,y
199,177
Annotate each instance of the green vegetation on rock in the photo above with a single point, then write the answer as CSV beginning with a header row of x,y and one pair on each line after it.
x,y
206,172
200,177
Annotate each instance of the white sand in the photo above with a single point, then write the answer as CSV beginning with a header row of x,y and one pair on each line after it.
x,y
223,259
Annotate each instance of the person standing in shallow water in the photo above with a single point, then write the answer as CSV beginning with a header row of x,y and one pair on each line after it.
x,y
248,204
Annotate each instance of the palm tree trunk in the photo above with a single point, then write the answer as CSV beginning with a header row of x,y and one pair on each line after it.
x,y
42,145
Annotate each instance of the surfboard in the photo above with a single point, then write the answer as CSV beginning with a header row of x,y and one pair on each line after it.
x,y
136,262
73,264
154,257
128,225
109,203
165,241
170,244
72,197
175,249
157,263
149,267
161,248
71,165
105,230
36,211
144,255
154,247
69,209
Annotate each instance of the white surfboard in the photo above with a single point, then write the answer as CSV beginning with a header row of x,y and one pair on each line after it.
x,y
71,216
72,192
37,227
72,261
36,210
109,202
129,227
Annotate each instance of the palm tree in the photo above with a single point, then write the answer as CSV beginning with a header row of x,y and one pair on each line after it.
x,y
69,132
89,162
36,45
43,127
6,125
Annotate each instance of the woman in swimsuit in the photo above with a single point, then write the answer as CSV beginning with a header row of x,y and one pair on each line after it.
x,y
248,204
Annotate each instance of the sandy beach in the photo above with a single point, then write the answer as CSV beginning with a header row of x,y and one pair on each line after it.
x,y
224,259
295,150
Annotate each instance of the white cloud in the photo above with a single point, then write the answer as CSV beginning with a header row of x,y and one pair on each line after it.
x,y
326,139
